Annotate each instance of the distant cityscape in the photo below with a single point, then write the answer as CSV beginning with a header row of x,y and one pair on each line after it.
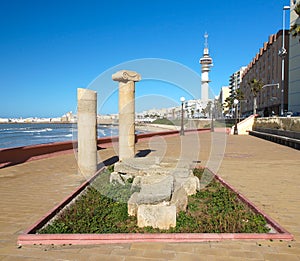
x,y
276,69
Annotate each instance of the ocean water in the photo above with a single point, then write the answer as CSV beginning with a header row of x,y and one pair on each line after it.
x,y
24,134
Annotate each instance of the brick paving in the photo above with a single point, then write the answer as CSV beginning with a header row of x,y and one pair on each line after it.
x,y
266,173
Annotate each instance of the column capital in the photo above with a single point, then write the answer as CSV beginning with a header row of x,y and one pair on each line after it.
x,y
126,76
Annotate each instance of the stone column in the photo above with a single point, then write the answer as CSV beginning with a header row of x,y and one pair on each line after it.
x,y
126,81
87,131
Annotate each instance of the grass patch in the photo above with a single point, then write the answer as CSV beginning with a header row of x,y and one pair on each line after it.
x,y
175,122
102,208
218,124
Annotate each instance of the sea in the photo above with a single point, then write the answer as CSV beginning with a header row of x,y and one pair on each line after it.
x,y
23,134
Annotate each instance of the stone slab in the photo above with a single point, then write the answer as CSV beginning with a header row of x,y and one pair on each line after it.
x,y
191,185
155,189
132,205
179,199
137,166
156,216
115,178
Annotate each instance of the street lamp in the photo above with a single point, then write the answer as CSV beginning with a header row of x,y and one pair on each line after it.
x,y
182,99
235,101
282,54
270,85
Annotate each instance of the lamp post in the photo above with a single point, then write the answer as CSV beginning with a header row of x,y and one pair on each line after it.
x,y
235,101
282,54
182,99
212,128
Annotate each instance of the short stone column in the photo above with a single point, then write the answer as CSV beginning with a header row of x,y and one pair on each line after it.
x,y
87,131
126,81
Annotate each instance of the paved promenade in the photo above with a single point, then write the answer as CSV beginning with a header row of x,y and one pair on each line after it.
x,y
266,173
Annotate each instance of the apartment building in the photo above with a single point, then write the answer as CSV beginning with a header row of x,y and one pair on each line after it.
x,y
236,79
266,66
224,93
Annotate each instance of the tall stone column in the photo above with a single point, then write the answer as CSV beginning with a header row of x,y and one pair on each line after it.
x,y
87,131
126,81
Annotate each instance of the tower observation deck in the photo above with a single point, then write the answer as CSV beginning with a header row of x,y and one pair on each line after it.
x,y
206,63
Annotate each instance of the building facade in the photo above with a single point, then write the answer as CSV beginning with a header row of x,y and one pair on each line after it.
x,y
267,67
294,61
223,95
236,79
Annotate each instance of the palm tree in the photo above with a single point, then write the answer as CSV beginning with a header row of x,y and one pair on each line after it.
x,y
208,108
255,87
297,9
239,95
228,103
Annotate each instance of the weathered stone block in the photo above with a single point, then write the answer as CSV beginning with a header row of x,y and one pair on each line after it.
x,y
115,178
126,177
155,170
181,173
191,185
155,189
136,183
156,216
123,167
138,166
132,204
180,199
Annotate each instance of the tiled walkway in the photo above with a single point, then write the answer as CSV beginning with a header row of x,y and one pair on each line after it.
x,y
267,173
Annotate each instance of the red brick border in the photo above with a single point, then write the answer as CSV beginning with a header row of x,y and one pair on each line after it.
x,y
30,238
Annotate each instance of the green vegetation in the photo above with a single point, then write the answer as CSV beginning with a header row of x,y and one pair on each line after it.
x,y
255,87
297,9
295,30
175,122
102,208
216,209
220,124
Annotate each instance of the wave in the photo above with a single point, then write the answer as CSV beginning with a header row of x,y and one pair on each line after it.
x,y
14,129
12,136
41,130
102,132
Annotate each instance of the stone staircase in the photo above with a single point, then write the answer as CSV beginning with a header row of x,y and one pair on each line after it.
x,y
244,126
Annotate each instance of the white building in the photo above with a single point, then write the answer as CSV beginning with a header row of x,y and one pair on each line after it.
x,y
3,120
223,95
236,79
194,108
294,62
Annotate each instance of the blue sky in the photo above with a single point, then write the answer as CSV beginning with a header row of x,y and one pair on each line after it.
x,y
50,48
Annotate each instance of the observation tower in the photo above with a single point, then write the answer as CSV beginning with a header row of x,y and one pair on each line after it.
x,y
206,63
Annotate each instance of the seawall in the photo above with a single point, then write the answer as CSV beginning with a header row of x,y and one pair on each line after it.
x,y
14,156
